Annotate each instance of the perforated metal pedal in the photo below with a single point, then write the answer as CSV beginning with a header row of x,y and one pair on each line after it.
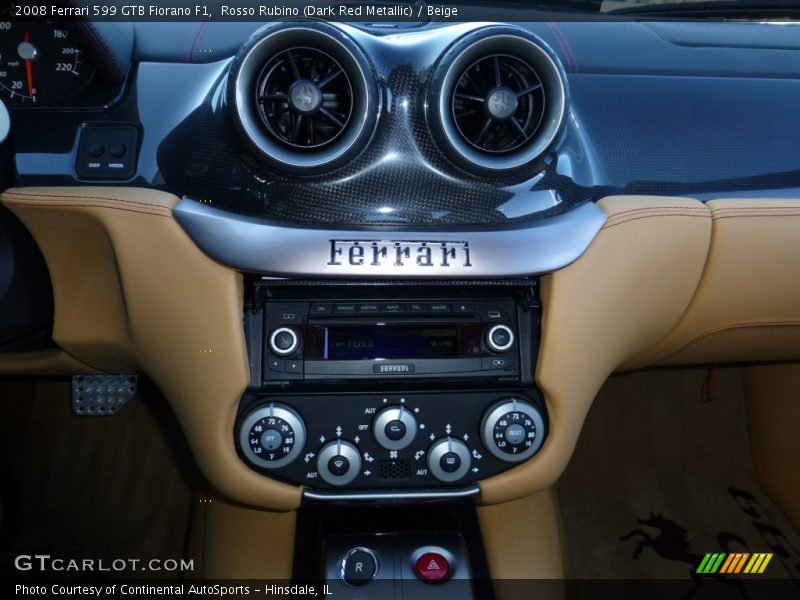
x,y
101,395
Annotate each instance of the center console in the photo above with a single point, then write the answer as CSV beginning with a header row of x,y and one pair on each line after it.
x,y
390,390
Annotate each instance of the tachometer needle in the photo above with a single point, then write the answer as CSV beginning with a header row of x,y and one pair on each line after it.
x,y
29,67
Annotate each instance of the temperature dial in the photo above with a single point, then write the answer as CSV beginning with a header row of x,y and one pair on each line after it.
x,y
338,462
448,459
512,430
395,427
272,436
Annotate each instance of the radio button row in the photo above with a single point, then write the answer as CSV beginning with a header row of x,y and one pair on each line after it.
x,y
321,309
290,315
439,307
498,363
283,369
293,366
345,309
394,308
491,313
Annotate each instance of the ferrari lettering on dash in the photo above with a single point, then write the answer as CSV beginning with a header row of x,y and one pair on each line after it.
x,y
399,253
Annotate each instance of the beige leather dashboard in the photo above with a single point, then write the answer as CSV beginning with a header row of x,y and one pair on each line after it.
x,y
747,306
666,281
133,292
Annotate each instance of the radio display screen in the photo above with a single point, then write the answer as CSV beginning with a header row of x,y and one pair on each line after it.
x,y
392,341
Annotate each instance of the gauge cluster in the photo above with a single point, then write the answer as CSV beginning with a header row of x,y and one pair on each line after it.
x,y
41,63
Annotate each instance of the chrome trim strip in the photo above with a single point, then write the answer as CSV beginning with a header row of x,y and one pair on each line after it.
x,y
279,249
466,492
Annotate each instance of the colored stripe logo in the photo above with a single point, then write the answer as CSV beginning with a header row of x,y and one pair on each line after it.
x,y
734,563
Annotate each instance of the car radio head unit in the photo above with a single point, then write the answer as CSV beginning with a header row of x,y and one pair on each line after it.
x,y
320,339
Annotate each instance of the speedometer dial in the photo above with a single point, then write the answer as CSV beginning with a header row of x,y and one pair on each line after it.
x,y
39,62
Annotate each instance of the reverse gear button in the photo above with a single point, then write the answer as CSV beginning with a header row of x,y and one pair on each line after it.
x,y
359,566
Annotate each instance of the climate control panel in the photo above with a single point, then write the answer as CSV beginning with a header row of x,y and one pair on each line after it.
x,y
393,440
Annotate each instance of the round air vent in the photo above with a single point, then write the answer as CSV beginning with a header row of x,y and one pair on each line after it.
x,y
305,96
496,100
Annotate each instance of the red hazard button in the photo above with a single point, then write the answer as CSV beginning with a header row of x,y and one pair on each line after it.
x,y
432,566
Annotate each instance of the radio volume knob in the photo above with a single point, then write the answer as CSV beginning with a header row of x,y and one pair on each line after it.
x,y
394,427
284,341
499,338
338,462
272,436
512,430
449,459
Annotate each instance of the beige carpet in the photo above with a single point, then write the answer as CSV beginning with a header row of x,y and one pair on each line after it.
x,y
96,487
655,458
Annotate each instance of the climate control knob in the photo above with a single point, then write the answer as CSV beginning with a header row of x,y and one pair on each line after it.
x,y
449,459
394,427
512,430
338,462
272,436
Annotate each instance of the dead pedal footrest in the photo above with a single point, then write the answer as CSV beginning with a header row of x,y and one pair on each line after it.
x,y
101,395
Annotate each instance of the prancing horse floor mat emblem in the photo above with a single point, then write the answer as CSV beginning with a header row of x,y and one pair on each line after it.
x,y
672,543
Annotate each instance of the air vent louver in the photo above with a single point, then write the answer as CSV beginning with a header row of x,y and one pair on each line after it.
x,y
496,101
305,96
305,99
